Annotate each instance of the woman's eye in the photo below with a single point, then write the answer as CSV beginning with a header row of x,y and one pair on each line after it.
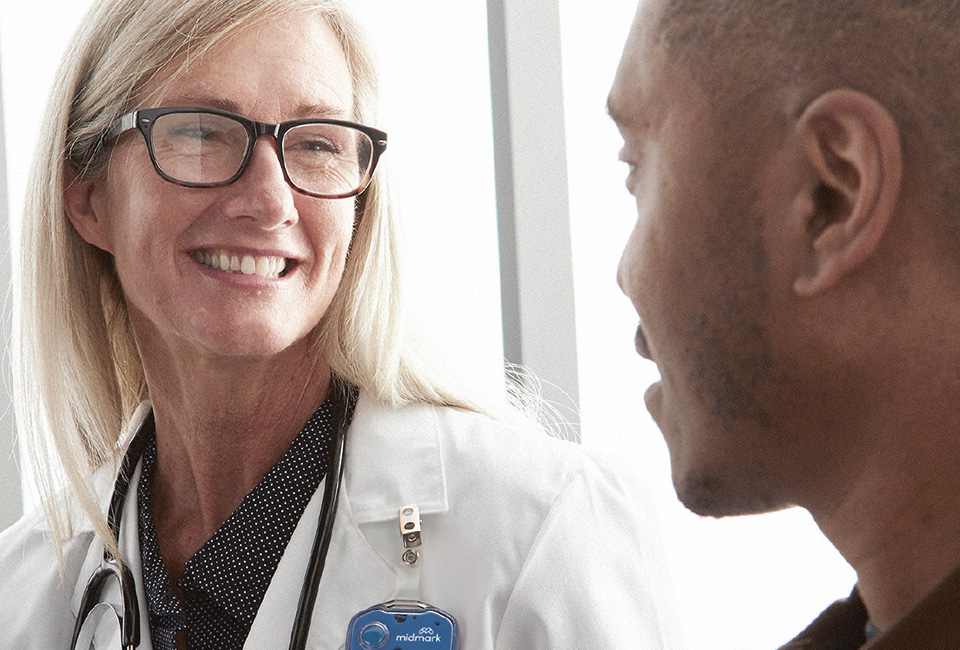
x,y
195,133
315,146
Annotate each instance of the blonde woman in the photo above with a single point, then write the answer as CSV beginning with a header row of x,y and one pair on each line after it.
x,y
211,356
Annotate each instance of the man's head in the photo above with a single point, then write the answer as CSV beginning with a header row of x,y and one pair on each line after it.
x,y
782,154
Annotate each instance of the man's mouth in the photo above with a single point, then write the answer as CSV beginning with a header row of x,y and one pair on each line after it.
x,y
640,341
266,266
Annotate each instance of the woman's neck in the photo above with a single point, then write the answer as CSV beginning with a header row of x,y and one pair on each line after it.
x,y
221,426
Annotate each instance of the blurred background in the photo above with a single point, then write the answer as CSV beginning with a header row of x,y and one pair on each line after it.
x,y
514,214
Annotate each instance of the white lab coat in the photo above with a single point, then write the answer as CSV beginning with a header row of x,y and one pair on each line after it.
x,y
527,542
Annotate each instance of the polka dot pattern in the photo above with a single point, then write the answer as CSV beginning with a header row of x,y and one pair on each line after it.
x,y
225,581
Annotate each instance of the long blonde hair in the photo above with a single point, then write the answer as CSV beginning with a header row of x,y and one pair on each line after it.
x,y
79,374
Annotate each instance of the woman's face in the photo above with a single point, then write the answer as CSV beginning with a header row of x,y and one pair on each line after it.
x,y
159,232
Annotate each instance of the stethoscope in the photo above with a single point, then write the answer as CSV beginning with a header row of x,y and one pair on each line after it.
x,y
128,614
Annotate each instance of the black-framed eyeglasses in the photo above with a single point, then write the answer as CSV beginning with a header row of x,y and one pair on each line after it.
x,y
208,147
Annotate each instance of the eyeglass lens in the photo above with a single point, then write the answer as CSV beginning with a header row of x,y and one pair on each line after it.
x,y
209,149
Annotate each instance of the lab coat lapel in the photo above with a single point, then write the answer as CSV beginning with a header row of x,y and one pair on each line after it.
x,y
393,458
354,573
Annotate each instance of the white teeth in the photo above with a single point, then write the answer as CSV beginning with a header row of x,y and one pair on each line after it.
x,y
247,265
220,260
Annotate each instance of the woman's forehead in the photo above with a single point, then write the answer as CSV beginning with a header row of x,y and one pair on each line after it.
x,y
295,65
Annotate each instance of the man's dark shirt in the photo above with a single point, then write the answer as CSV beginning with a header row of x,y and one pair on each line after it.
x,y
225,581
934,624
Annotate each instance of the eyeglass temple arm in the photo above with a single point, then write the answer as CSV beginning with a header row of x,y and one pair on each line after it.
x,y
125,123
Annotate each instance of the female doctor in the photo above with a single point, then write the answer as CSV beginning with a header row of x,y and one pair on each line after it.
x,y
209,351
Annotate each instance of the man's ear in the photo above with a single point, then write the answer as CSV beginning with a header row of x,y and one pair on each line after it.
x,y
852,145
81,201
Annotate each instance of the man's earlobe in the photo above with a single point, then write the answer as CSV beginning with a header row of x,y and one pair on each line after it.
x,y
852,144
84,210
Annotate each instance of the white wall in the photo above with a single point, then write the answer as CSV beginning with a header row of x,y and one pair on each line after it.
x,y
435,105
10,502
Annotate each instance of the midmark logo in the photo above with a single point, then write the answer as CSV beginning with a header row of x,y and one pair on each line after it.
x,y
427,634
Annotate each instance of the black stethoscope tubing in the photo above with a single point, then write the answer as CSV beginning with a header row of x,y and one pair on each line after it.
x,y
113,567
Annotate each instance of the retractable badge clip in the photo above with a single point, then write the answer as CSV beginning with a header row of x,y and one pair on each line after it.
x,y
405,623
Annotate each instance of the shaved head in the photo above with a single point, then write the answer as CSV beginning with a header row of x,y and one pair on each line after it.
x,y
770,58
795,170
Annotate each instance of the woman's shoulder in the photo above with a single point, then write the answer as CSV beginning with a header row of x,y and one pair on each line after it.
x,y
26,542
481,453
28,547
509,448
34,587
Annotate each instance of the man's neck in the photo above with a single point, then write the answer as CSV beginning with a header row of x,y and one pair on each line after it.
x,y
898,524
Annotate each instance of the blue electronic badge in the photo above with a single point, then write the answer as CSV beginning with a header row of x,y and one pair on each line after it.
x,y
393,628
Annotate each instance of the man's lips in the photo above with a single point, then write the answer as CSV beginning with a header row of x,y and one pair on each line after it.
x,y
640,341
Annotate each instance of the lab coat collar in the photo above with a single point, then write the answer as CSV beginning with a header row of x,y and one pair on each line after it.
x,y
394,458
393,455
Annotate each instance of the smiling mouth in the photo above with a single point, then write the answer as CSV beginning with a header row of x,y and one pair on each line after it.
x,y
266,266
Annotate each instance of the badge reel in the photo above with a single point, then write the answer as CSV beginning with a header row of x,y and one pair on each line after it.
x,y
405,623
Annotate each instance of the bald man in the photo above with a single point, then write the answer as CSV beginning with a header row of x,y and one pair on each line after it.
x,y
796,268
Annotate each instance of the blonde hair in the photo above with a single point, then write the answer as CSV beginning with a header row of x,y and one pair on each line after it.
x,y
79,374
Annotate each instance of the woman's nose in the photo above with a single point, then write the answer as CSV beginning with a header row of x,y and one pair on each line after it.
x,y
262,191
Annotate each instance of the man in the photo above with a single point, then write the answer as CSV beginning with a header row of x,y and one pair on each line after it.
x,y
796,268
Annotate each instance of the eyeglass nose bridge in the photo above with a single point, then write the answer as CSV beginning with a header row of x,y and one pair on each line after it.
x,y
255,131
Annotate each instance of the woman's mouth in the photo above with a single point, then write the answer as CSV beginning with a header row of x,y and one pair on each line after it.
x,y
266,266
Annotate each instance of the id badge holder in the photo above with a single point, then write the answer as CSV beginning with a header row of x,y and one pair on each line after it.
x,y
405,623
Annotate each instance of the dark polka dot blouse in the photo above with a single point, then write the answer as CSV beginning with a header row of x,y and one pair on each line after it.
x,y
225,581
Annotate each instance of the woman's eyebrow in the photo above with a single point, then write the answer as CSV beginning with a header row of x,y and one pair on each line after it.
x,y
320,109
